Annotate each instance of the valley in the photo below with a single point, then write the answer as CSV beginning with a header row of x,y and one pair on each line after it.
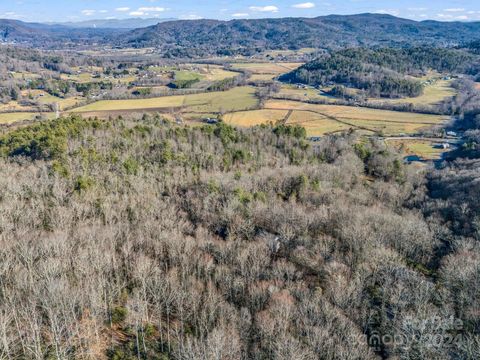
x,y
239,91
284,188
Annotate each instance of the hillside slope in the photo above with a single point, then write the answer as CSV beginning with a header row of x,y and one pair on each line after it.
x,y
223,37
206,37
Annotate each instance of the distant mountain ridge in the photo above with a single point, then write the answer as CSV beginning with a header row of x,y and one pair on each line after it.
x,y
333,31
131,23
190,38
51,35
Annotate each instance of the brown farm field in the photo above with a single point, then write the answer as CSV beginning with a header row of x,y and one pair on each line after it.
x,y
373,120
267,68
255,117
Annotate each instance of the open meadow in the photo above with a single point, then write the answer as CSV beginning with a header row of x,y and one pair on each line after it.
x,y
432,94
424,149
255,117
236,99
267,68
378,121
10,118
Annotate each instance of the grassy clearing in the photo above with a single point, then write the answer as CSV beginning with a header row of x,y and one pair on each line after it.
x,y
44,98
262,77
236,99
425,149
80,78
293,92
432,94
302,51
316,124
184,75
25,76
84,78
217,74
387,122
133,104
10,118
254,117
15,106
267,68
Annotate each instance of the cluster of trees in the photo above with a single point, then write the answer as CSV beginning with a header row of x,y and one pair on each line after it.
x,y
382,72
139,239
230,83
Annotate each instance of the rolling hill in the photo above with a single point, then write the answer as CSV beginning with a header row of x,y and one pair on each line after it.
x,y
51,36
131,23
334,31
215,37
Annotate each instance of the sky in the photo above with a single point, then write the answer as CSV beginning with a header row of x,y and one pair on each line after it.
x,y
79,10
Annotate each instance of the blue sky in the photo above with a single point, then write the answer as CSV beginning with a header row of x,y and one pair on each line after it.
x,y
78,10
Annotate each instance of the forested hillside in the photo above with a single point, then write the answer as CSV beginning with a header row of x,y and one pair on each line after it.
x,y
52,36
247,37
138,239
383,72
207,37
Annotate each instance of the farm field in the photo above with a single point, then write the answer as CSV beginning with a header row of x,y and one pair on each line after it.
x,y
267,68
15,106
262,77
432,94
254,117
293,92
302,51
45,98
380,121
315,124
425,149
85,78
184,75
216,73
236,99
10,118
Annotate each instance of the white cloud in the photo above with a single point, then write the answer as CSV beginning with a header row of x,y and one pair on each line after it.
x,y
394,12
103,11
417,9
451,17
269,8
152,9
122,9
307,5
240,15
11,15
190,17
136,13
454,10
88,12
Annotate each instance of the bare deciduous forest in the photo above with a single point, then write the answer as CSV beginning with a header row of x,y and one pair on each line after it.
x,y
139,239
